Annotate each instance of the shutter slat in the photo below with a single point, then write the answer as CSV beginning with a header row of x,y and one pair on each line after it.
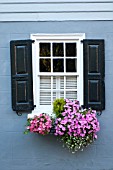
x,y
94,74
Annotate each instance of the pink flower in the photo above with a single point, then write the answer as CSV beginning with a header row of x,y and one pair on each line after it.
x,y
95,136
82,134
40,124
61,133
64,121
63,128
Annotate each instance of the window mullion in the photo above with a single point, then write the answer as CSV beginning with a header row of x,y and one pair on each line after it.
x,y
37,76
64,87
57,87
51,72
78,60
51,57
64,70
51,91
64,58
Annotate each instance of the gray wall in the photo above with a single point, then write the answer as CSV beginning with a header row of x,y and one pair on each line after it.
x,y
33,152
55,10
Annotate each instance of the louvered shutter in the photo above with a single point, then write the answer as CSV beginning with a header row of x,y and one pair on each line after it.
x,y
21,75
94,74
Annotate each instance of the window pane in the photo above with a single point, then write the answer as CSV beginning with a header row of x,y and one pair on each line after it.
x,y
71,82
62,94
45,90
58,50
71,49
71,95
45,65
45,98
54,83
58,82
61,82
71,65
54,96
45,82
44,50
58,65
57,95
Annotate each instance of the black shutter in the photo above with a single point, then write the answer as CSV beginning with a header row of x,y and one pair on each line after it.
x,y
21,75
94,74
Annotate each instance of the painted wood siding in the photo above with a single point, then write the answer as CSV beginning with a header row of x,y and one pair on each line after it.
x,y
55,10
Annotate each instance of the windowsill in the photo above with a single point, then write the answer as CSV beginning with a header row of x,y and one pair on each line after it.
x,y
38,112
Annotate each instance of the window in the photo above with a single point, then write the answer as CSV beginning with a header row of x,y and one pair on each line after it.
x,y
53,66
57,69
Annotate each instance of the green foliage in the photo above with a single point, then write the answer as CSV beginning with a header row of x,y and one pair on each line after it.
x,y
58,106
74,143
27,124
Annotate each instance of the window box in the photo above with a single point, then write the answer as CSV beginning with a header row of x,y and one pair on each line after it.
x,y
76,127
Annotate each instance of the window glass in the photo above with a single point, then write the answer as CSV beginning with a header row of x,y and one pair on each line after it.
x,y
44,49
52,87
45,65
71,50
58,65
59,60
57,57
58,49
71,65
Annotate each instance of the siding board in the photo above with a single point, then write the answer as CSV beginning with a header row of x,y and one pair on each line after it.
x,y
54,1
55,16
67,7
49,10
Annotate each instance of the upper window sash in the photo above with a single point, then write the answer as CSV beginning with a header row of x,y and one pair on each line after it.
x,y
49,56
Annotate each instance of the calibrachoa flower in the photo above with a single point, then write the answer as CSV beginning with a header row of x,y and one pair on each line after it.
x,y
39,124
77,127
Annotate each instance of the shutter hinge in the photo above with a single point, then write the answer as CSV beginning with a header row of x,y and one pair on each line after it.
x,y
33,41
19,114
81,41
99,113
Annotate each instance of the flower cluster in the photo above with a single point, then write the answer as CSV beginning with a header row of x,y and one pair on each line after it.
x,y
39,124
77,127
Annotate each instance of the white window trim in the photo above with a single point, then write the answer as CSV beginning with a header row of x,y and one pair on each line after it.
x,y
78,37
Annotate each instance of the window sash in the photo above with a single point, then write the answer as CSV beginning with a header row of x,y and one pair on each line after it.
x,y
51,57
36,74
52,87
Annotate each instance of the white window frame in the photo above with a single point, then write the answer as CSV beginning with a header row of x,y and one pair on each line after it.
x,y
77,37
